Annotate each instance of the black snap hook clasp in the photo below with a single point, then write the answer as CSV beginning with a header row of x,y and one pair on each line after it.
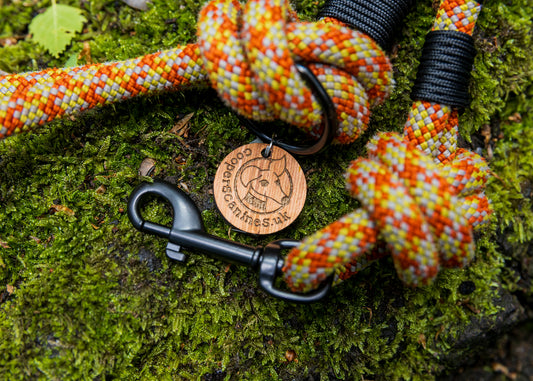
x,y
187,218
188,231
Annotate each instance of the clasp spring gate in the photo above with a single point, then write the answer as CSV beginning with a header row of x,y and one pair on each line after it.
x,y
187,231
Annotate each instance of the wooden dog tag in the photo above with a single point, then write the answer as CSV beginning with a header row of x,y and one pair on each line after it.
x,y
258,194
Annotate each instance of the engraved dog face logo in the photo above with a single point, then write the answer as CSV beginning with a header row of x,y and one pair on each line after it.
x,y
266,185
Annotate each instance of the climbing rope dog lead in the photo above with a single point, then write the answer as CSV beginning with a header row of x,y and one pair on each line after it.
x,y
407,198
246,54
421,196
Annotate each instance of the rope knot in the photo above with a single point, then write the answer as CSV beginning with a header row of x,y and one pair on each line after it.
x,y
424,213
249,55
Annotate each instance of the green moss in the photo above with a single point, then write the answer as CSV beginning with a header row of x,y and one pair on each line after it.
x,y
95,299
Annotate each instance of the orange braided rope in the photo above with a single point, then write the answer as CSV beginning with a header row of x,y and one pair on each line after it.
x,y
420,196
247,55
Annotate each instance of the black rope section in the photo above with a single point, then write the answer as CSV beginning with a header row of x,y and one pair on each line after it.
x,y
379,19
444,71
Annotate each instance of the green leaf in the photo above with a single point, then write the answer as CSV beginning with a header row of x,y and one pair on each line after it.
x,y
55,28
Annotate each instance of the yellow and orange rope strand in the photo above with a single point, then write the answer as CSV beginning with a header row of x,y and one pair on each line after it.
x,y
420,196
247,55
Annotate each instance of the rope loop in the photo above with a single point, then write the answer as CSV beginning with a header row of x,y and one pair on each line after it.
x,y
250,53
422,211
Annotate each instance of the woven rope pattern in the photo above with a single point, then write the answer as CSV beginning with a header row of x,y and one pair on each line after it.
x,y
247,55
432,126
32,99
379,19
420,197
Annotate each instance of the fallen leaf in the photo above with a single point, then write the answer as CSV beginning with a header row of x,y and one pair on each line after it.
x,y
62,208
185,187
497,367
4,245
466,303
370,312
101,189
10,289
486,133
8,41
441,329
182,127
180,160
422,340
86,53
516,118
290,355
147,167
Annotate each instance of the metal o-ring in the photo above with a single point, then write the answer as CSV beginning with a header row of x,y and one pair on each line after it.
x,y
268,150
330,118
